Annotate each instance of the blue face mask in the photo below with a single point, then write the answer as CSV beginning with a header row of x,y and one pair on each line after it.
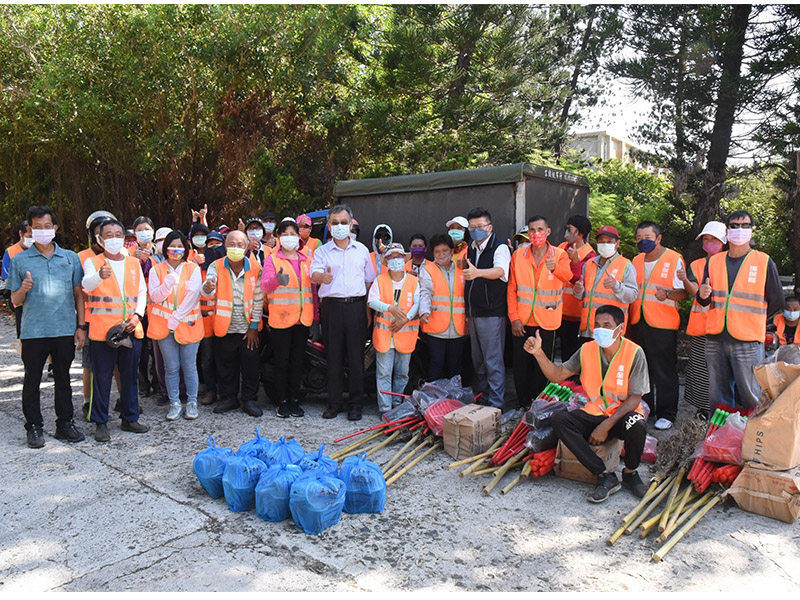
x,y
478,234
646,246
396,264
791,315
604,337
456,234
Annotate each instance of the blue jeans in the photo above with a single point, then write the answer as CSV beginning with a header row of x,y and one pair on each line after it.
x,y
488,335
391,374
177,358
731,362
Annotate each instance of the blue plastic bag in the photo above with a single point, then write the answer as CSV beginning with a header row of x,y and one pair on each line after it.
x,y
272,492
239,481
285,453
318,460
258,446
209,465
366,485
316,501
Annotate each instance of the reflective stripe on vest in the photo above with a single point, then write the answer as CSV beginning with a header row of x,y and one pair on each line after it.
x,y
224,295
572,307
595,293
542,298
108,305
743,312
660,314
190,329
405,340
607,394
291,303
446,304
698,314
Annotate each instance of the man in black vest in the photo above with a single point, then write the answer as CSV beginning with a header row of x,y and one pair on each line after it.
x,y
485,282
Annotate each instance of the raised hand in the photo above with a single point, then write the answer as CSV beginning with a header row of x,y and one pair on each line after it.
x,y
327,276
210,284
573,254
533,343
578,287
550,262
105,271
471,272
27,283
609,282
705,289
283,278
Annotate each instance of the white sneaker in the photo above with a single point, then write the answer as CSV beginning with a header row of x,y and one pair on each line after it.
x,y
174,411
191,411
663,424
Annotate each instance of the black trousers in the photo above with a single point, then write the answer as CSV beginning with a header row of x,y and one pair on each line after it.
x,y
104,360
344,333
288,347
568,334
528,377
661,350
234,360
34,354
445,357
574,428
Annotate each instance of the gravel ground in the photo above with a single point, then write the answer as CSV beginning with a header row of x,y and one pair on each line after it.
x,y
130,515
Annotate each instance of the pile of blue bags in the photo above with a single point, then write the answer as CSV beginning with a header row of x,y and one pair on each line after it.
x,y
280,480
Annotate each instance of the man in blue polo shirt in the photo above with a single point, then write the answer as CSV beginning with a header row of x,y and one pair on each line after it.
x,y
45,280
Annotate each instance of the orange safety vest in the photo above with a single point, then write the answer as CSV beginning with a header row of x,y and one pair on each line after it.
x,y
310,247
572,307
15,249
780,329
538,294
223,298
698,314
657,313
108,305
446,304
607,394
461,254
410,264
743,312
292,303
188,331
597,295
405,340
383,267
86,253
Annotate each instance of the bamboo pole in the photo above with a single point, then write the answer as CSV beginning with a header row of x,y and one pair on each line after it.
x,y
646,527
650,507
655,487
472,459
677,512
486,471
662,524
526,470
400,473
384,443
477,464
408,456
402,450
359,443
687,512
662,552
498,475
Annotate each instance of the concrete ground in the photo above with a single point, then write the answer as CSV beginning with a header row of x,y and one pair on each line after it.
x,y
130,515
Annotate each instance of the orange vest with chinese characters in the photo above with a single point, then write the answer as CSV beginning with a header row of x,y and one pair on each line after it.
x,y
657,313
599,295
405,340
108,304
446,304
743,311
292,303
539,295
607,394
189,330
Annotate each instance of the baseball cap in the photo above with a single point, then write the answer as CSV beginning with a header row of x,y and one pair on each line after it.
x,y
607,230
458,221
717,229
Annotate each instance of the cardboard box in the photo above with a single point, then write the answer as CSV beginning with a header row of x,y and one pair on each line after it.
x,y
470,430
774,494
569,467
772,438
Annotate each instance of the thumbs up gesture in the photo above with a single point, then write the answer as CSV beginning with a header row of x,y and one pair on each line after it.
x,y
27,283
283,278
550,262
609,282
327,276
574,257
533,343
210,285
705,289
170,280
471,272
578,287
105,271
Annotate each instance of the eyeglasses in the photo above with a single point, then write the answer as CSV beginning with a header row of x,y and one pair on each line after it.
x,y
740,225
479,227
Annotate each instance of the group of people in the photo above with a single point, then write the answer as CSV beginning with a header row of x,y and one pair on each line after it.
x,y
218,292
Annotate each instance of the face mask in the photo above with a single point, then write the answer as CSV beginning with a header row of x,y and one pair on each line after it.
x,y
27,242
444,261
199,241
43,236
235,254
160,247
712,248
791,315
606,250
604,337
353,236
290,242
268,227
539,239
254,235
175,253
569,236
646,246
145,236
457,235
340,232
418,252
131,244
739,237
113,245
478,234
396,264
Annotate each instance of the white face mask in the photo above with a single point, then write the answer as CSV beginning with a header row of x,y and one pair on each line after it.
x,y
27,241
791,315
606,250
254,235
269,227
341,231
145,236
113,245
290,242
43,236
